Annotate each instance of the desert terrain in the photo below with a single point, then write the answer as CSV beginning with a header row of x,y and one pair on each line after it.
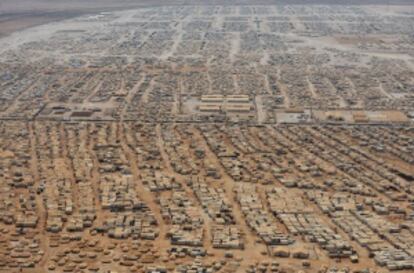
x,y
140,136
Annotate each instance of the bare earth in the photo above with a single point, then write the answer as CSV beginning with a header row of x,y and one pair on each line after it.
x,y
206,136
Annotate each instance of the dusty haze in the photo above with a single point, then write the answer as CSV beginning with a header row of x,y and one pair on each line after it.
x,y
21,14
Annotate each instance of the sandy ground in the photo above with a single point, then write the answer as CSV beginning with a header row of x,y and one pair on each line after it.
x,y
65,138
18,15
18,21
